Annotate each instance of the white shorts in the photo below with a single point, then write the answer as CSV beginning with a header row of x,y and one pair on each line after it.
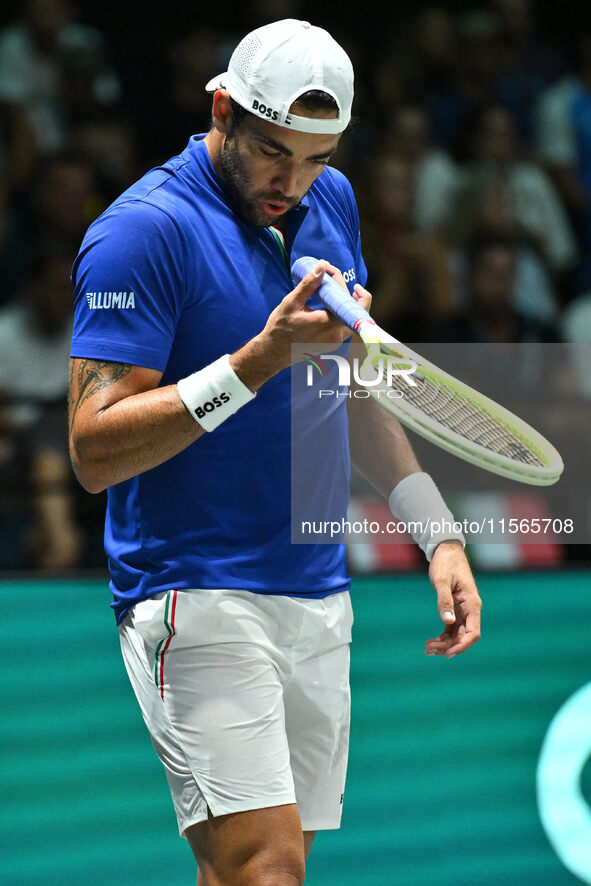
x,y
246,698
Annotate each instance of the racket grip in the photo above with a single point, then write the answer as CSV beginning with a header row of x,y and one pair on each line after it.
x,y
338,300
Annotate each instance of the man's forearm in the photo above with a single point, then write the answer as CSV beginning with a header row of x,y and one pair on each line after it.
x,y
382,453
131,436
380,449
143,430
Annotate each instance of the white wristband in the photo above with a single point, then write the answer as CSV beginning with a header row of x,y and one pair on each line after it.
x,y
417,502
214,393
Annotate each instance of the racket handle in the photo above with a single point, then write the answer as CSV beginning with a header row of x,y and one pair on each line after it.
x,y
338,300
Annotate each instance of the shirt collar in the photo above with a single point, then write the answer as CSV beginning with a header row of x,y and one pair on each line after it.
x,y
198,155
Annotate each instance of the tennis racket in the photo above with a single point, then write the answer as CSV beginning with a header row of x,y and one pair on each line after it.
x,y
438,406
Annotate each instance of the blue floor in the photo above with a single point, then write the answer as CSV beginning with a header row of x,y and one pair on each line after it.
x,y
441,784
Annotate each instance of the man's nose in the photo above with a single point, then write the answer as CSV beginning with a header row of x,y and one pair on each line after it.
x,y
286,180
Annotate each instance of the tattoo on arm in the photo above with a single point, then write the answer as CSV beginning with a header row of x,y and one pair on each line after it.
x,y
92,376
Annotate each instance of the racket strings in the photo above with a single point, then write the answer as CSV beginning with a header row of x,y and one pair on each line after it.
x,y
458,413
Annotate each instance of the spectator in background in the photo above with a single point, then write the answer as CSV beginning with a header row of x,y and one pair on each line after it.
x,y
65,197
484,208
529,62
509,356
499,58
533,206
536,203
30,71
575,328
17,155
564,144
555,136
189,58
476,78
35,334
41,58
108,139
58,206
490,315
526,52
418,58
435,175
410,267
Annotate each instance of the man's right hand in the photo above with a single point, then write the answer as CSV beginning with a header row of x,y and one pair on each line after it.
x,y
293,321
290,323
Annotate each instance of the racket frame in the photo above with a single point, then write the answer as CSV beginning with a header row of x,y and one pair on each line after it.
x,y
376,340
341,303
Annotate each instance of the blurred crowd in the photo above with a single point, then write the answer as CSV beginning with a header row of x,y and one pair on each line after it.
x,y
470,156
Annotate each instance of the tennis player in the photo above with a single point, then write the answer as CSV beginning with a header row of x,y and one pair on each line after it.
x,y
235,640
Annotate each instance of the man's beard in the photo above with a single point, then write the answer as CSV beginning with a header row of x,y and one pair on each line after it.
x,y
236,180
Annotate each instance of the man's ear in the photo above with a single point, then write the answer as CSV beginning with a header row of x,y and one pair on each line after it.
x,y
221,112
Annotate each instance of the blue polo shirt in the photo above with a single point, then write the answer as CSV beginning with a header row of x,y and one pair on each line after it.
x,y
169,277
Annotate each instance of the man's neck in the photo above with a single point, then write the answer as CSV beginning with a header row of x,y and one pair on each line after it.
x,y
214,141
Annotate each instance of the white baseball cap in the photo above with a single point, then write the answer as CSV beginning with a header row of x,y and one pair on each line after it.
x,y
277,63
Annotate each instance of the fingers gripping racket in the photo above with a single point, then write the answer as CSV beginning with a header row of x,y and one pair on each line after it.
x,y
438,406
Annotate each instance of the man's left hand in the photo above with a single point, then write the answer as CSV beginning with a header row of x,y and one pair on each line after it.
x,y
458,601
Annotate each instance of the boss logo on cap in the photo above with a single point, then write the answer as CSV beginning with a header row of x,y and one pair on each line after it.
x,y
264,111
212,404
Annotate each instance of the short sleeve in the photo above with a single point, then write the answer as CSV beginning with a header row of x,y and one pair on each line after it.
x,y
129,285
